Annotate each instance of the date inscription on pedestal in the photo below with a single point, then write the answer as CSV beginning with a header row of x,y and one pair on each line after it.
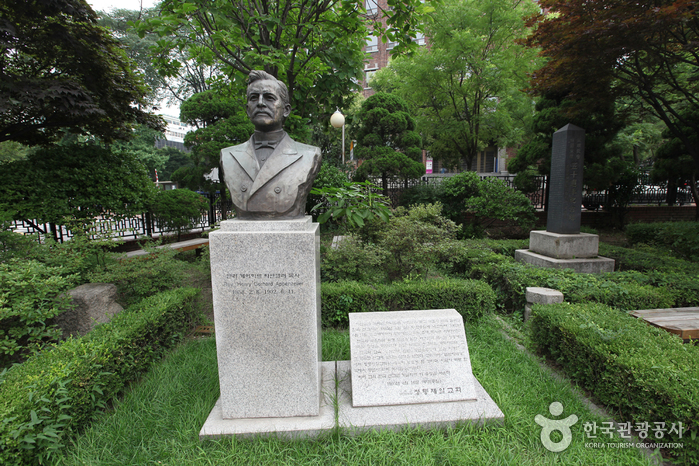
x,y
409,357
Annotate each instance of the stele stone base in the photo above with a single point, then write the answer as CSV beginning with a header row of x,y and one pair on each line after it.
x,y
538,295
563,246
592,265
480,411
265,277
284,427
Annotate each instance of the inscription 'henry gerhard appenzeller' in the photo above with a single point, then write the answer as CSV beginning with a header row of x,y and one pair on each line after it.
x,y
409,357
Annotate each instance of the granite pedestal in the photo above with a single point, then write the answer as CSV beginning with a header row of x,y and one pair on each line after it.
x,y
266,289
565,251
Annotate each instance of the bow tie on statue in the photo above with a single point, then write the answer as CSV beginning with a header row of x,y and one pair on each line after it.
x,y
266,144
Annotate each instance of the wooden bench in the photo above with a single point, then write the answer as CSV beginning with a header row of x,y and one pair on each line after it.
x,y
682,321
181,246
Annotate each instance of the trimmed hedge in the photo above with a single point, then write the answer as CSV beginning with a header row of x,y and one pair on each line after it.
x,y
510,280
645,373
56,392
471,298
680,237
646,259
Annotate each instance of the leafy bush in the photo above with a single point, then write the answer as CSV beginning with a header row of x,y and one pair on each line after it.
x,y
416,239
329,176
54,393
682,238
142,276
429,193
645,258
30,295
471,298
353,260
488,199
179,209
354,203
644,373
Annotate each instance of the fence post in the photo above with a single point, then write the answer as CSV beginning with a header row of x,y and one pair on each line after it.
x,y
149,228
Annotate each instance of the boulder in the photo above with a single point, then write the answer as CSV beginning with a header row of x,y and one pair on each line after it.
x,y
92,304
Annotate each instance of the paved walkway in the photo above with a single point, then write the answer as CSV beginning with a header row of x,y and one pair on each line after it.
x,y
181,246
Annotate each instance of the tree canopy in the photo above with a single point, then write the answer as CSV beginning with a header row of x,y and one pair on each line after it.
x,y
465,88
644,51
59,69
314,47
387,141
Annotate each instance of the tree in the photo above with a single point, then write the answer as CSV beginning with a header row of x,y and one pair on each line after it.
x,y
59,69
643,51
465,87
142,146
387,141
79,182
221,122
673,162
189,78
314,47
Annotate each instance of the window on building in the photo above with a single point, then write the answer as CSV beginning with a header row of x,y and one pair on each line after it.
x,y
368,74
420,38
372,44
371,7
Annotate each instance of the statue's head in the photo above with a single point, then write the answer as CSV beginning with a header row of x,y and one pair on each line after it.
x,y
267,101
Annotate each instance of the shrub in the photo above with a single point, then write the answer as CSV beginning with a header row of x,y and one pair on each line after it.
x,y
471,298
428,193
645,258
682,238
30,295
57,392
329,176
644,373
179,209
353,260
416,239
142,276
488,199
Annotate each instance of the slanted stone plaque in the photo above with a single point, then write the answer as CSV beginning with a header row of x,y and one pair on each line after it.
x,y
409,357
565,191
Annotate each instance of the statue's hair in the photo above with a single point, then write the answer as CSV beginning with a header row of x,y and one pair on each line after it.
x,y
259,75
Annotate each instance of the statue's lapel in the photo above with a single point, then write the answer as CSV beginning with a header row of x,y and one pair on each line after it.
x,y
245,156
284,155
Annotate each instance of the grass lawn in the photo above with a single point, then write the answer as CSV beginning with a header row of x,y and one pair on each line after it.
x,y
158,420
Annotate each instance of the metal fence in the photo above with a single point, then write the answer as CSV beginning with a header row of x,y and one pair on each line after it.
x,y
144,225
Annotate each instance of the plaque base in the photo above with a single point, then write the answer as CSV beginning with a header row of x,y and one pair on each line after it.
x,y
591,265
481,411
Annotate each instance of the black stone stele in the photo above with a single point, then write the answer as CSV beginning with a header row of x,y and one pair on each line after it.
x,y
565,192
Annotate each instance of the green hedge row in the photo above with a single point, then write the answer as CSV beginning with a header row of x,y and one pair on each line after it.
x,y
471,298
510,279
645,373
646,259
57,391
682,238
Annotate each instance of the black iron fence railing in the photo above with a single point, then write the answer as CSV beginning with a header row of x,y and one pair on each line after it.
x,y
144,225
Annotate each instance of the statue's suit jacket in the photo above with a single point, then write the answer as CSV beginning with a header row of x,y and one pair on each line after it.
x,y
279,188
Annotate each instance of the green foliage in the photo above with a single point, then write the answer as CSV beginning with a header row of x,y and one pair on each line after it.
x,y
142,146
465,87
471,298
387,141
488,199
423,193
62,70
353,260
141,276
510,280
416,240
644,373
644,258
178,209
44,401
329,176
77,181
30,295
682,238
354,203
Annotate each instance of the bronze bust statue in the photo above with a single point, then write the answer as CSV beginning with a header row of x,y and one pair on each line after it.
x,y
270,175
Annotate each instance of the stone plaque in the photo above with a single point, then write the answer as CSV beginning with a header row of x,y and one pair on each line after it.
x,y
266,289
409,357
565,188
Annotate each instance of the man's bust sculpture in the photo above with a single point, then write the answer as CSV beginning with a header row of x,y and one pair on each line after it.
x,y
270,175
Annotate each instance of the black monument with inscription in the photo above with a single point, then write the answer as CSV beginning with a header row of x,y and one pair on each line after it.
x,y
565,189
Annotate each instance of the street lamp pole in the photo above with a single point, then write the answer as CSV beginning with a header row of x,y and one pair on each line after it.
x,y
338,120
